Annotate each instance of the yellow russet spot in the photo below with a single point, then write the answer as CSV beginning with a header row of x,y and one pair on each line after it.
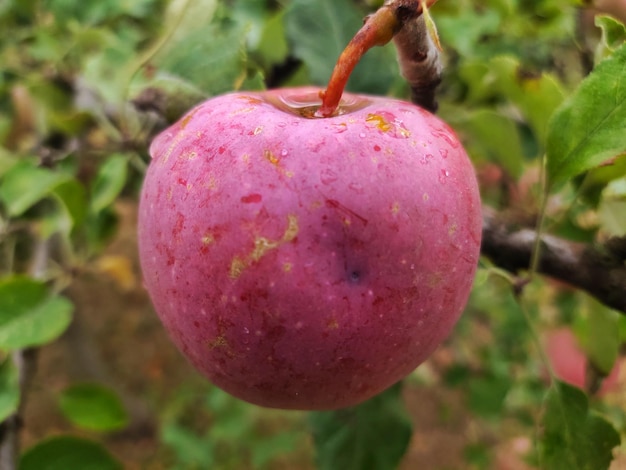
x,y
187,119
262,245
287,267
189,187
188,156
246,158
236,267
379,121
212,184
274,160
332,324
404,132
270,157
218,342
247,110
258,130
170,194
208,239
177,138
395,208
435,279
425,197
292,228
452,230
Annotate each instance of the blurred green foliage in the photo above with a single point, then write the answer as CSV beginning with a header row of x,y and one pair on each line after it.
x,y
85,85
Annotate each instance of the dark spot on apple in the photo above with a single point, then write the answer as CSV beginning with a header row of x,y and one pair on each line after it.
x,y
276,332
251,198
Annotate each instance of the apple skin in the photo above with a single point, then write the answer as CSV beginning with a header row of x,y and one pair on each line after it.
x,y
304,263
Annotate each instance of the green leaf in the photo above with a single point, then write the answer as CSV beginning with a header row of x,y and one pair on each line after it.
x,y
29,315
613,207
273,47
612,217
212,58
9,389
25,184
536,96
599,334
589,128
319,31
176,94
613,35
109,182
373,435
95,12
573,437
72,196
66,452
188,16
493,136
93,407
192,450
69,211
7,161
464,31
268,448
487,394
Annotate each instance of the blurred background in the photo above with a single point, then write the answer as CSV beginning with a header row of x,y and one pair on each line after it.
x,y
84,86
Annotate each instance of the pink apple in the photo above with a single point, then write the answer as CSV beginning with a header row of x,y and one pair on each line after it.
x,y
568,360
308,263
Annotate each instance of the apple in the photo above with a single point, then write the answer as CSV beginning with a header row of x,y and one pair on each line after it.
x,y
568,361
302,262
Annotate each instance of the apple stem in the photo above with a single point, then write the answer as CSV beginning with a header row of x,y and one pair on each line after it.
x,y
378,29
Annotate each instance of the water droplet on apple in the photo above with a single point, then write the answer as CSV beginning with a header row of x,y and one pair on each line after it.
x,y
440,134
284,152
426,158
443,153
356,187
340,128
443,176
362,135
